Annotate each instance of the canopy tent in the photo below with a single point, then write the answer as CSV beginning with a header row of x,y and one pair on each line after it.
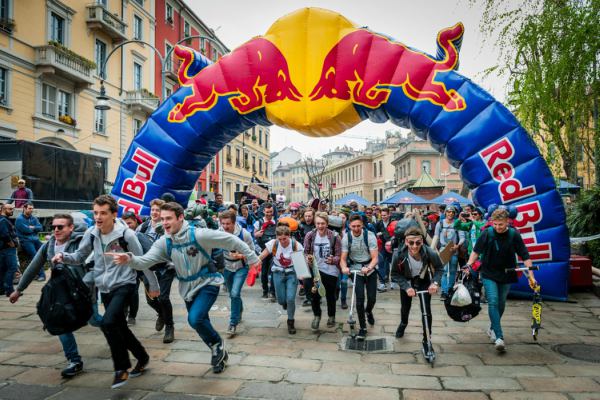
x,y
449,198
405,197
350,197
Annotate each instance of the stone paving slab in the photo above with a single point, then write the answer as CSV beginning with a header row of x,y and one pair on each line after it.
x,y
267,363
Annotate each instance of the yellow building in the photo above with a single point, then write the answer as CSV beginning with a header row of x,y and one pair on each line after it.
x,y
51,52
244,157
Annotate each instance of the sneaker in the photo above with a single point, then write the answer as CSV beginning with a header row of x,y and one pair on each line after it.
x,y
265,296
231,331
160,324
40,278
500,347
344,305
219,357
443,297
362,334
74,368
370,318
381,288
306,303
331,322
315,324
490,332
169,334
272,298
291,327
400,330
120,379
139,368
394,286
130,321
301,292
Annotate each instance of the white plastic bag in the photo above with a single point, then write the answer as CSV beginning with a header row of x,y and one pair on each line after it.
x,y
461,296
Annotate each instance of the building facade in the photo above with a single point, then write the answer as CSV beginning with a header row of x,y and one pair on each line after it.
x,y
245,157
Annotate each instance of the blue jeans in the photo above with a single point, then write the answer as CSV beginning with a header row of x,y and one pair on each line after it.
x,y
383,261
449,274
70,347
31,247
496,294
285,290
198,318
8,267
234,281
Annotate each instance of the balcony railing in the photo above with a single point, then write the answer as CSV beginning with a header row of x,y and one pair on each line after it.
x,y
101,19
7,25
142,100
53,59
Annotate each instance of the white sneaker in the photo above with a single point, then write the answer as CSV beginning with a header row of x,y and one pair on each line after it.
x,y
394,286
490,332
500,347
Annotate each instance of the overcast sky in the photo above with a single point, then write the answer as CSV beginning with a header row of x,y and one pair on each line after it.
x,y
415,23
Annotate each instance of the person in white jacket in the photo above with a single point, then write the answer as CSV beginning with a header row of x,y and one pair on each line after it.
x,y
189,249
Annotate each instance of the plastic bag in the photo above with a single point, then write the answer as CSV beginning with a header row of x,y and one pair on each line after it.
x,y
461,296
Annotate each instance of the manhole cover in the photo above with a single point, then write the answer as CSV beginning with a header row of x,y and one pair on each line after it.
x,y
583,352
366,345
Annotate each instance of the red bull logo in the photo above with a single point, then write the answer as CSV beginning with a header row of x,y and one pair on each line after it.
x,y
363,66
266,79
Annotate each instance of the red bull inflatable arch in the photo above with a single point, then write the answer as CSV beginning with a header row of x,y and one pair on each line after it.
x,y
317,73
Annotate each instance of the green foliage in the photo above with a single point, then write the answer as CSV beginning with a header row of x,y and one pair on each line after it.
x,y
583,221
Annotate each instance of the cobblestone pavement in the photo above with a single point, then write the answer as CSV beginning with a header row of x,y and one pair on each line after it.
x,y
267,363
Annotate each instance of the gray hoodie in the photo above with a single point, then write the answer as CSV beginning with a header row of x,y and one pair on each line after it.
x,y
46,252
189,263
108,275
231,264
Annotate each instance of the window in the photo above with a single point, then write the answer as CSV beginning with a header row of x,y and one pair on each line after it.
x,y
137,76
100,57
103,2
260,137
3,86
380,194
140,2
426,165
380,168
57,28
374,195
266,140
260,167
168,91
246,164
4,9
213,165
253,163
137,27
237,187
408,168
186,29
137,125
49,101
100,121
169,59
169,13
266,169
374,170
237,158
64,103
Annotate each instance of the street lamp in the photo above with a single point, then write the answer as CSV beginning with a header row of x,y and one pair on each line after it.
x,y
102,101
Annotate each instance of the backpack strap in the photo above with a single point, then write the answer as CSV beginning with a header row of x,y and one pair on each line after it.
x,y
123,242
274,250
192,240
366,238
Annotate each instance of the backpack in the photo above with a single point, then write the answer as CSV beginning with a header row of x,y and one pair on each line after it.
x,y
216,263
466,313
276,245
66,302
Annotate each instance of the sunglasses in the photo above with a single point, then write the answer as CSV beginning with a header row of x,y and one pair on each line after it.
x,y
59,227
415,242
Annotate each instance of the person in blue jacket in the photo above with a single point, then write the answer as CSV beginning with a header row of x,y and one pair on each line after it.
x,y
28,227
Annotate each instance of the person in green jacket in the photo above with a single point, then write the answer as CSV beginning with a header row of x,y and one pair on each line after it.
x,y
473,226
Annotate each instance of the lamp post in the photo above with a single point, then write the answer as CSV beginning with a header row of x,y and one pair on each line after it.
x,y
445,175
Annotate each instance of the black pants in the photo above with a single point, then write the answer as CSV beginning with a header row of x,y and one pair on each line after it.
x,y
330,284
114,326
264,276
162,304
370,284
406,302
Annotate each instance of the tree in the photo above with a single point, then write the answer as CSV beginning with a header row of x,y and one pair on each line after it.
x,y
551,50
314,170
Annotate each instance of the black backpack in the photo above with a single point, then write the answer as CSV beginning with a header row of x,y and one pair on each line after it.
x,y
466,313
66,302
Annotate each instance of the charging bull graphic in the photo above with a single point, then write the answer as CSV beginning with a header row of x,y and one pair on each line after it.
x,y
316,72
348,74
266,80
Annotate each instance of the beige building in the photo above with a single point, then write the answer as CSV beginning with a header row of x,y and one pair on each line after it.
x,y
415,155
244,157
51,52
291,180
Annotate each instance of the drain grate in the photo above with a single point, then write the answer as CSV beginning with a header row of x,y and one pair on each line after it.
x,y
366,345
582,352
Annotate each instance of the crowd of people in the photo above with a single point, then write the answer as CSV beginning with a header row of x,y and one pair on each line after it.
x,y
213,243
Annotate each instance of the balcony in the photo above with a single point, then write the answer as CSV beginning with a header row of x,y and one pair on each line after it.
x,y
99,18
141,100
54,59
7,25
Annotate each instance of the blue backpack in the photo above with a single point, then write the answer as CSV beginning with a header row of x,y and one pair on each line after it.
x,y
211,269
